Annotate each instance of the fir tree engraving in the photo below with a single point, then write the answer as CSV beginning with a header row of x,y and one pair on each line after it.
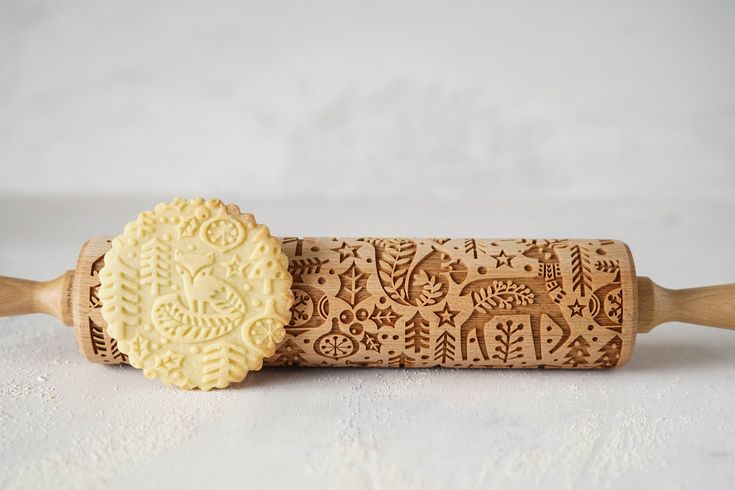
x,y
223,362
289,354
120,297
444,351
155,264
401,360
474,247
578,352
581,272
417,333
610,353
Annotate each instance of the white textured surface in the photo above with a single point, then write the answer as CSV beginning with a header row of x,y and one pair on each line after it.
x,y
495,118
378,97
664,421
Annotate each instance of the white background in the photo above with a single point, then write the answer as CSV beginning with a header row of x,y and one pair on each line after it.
x,y
600,119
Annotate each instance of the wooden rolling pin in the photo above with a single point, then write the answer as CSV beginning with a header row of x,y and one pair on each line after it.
x,y
197,294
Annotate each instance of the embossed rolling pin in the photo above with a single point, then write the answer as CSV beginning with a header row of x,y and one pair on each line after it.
x,y
197,294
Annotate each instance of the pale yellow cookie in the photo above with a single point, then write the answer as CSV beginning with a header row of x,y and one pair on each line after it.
x,y
196,293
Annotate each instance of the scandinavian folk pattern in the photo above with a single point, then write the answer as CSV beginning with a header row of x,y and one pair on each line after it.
x,y
458,303
92,336
195,293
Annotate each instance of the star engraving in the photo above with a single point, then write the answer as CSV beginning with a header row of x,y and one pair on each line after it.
x,y
235,267
446,315
502,259
576,308
345,251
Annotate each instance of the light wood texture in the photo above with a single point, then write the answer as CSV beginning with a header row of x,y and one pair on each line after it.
x,y
468,303
21,296
90,328
428,302
713,306
435,302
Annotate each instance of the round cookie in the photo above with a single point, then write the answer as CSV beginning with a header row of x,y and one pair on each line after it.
x,y
195,293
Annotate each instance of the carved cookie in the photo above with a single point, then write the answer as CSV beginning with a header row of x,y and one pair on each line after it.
x,y
195,293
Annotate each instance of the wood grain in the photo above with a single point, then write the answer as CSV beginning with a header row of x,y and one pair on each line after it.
x,y
21,296
416,302
390,302
712,305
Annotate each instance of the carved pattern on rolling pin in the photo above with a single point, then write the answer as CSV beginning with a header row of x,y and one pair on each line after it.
x,y
458,303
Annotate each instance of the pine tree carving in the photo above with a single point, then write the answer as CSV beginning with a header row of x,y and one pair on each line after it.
x,y
401,360
581,271
444,350
154,264
474,247
115,352
97,336
610,353
223,363
289,354
417,333
578,352
120,297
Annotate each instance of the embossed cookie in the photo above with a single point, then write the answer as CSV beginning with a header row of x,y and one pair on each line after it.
x,y
196,293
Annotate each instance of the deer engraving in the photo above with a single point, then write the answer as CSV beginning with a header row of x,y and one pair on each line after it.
x,y
547,290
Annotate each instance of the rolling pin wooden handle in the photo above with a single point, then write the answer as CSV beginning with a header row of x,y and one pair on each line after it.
x,y
21,296
713,306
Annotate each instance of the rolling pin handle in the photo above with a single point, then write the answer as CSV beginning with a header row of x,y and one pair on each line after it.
x,y
21,296
712,306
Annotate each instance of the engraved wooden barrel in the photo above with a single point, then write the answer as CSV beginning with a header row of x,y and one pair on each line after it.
x,y
424,302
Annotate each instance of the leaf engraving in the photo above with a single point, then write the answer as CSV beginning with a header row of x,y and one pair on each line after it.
x,y
502,295
508,348
431,289
302,267
394,257
353,285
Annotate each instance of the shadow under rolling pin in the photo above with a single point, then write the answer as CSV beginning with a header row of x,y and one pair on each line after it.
x,y
198,294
